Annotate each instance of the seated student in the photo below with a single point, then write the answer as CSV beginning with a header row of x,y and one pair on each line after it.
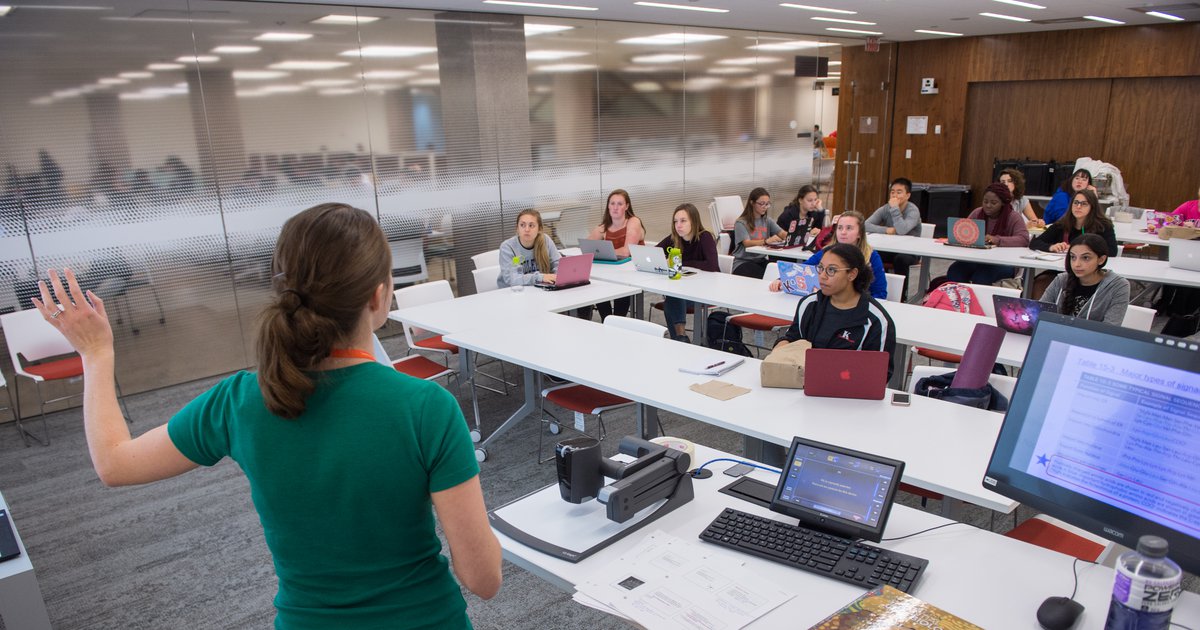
x,y
848,230
752,229
1189,210
1086,289
530,256
699,250
1058,204
1085,217
618,225
347,460
897,216
804,214
1003,227
1015,180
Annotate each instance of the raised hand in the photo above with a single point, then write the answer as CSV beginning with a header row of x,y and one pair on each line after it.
x,y
79,316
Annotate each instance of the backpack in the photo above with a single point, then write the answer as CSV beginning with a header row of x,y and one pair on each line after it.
x,y
952,296
724,336
938,386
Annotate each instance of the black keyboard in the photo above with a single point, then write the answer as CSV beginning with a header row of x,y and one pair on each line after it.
x,y
809,550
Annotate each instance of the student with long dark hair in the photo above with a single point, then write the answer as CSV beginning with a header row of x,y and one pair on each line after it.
x,y
529,256
1086,289
752,229
804,215
1015,181
1081,179
347,459
1085,217
621,227
698,249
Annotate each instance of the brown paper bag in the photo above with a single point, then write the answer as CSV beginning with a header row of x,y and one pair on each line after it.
x,y
784,367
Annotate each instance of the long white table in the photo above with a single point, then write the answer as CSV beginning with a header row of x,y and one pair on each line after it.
x,y
946,446
21,603
990,580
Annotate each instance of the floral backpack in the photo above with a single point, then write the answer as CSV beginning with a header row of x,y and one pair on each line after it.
x,y
952,296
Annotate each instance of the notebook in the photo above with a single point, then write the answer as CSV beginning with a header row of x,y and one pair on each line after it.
x,y
962,232
601,249
845,373
1184,254
798,278
1019,315
573,271
653,259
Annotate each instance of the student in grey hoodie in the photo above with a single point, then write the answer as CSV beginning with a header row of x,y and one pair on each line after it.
x,y
898,216
530,256
1086,289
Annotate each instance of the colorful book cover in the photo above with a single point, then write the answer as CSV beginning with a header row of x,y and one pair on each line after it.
x,y
886,608
798,278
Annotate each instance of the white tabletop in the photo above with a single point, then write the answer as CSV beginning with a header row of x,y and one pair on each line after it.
x,y
462,313
988,579
21,603
646,370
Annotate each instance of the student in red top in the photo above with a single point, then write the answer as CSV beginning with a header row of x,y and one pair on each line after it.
x,y
619,226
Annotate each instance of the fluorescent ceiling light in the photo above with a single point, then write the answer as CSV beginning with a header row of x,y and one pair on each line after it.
x,y
647,69
236,50
566,67
388,51
796,45
748,61
283,37
541,5
1001,16
258,75
165,66
842,21
835,74
64,7
834,62
308,65
113,81
380,87
431,67
853,30
808,7
345,19
328,82
136,75
665,58
551,55
1019,3
647,86
538,29
426,81
662,5
671,39
929,32
388,74
166,19
338,91
198,59
730,70
44,100
1098,18
140,96
1165,16
4,9
700,83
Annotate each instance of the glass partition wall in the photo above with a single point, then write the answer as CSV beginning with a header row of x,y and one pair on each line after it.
x,y
157,148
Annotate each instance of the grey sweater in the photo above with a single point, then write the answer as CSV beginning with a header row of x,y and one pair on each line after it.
x,y
1107,305
518,266
906,220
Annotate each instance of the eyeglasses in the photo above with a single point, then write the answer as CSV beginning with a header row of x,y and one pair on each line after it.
x,y
1079,203
830,270
763,204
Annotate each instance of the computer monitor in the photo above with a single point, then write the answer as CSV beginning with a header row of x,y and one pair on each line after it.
x,y
1103,432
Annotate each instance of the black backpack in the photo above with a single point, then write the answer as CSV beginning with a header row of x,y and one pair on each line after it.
x,y
724,336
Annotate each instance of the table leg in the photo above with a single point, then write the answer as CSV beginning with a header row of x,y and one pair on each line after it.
x,y
646,417
926,263
639,305
1027,282
951,508
528,406
899,365
699,323
466,368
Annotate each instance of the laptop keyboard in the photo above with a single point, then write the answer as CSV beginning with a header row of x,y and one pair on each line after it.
x,y
842,559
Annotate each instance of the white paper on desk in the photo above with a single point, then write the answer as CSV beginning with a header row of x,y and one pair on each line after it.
x,y
1047,256
666,582
591,602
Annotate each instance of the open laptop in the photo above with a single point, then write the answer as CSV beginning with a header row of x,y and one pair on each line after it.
x,y
1019,315
1184,254
845,373
573,271
962,232
602,250
653,259
798,278
796,236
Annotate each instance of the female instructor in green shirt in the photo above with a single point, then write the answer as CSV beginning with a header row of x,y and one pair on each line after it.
x,y
347,459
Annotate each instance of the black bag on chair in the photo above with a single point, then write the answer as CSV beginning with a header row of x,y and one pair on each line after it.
x,y
938,386
724,336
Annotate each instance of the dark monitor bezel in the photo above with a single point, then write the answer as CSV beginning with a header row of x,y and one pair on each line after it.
x,y
827,522
1072,507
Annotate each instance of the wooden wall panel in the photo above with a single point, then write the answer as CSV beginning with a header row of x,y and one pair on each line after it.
x,y
1060,120
935,157
866,90
1152,137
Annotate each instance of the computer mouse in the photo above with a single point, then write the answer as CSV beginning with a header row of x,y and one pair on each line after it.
x,y
1059,613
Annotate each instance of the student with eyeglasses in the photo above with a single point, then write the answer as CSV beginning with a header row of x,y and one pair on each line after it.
x,y
752,229
1085,217
1060,202
1086,289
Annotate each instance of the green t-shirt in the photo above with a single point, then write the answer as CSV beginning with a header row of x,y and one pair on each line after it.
x,y
343,492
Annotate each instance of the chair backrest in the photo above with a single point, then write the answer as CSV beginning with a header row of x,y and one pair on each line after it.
x,y
567,251
895,285
728,209
486,259
1005,385
418,294
381,355
723,240
772,272
31,336
1138,318
984,293
636,325
485,279
725,263
927,230
408,261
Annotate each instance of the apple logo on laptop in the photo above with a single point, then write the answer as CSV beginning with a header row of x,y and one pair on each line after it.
x,y
845,374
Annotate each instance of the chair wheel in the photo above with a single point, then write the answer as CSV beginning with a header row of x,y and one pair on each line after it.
x,y
480,455
555,429
476,436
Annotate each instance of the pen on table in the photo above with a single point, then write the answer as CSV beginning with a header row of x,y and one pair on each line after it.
x,y
718,363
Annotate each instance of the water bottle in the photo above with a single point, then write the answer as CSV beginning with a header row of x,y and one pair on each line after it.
x,y
1147,586
675,262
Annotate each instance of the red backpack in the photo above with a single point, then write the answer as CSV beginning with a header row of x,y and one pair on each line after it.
x,y
952,296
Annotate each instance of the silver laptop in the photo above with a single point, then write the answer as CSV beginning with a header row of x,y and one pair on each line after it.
x,y
600,249
653,259
1184,254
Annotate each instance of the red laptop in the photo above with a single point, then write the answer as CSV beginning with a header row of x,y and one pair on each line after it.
x,y
845,373
573,271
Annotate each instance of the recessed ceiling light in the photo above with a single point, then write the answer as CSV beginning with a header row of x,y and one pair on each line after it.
x,y
647,86
665,58
425,81
835,74
4,9
730,70
112,81
430,67
380,87
136,75
699,83
541,5
328,82
1001,16
796,45
236,50
258,75
140,96
663,5
1165,16
842,20
808,7
345,19
198,59
388,74
1097,18
308,65
538,29
551,55
853,30
1027,5
187,20
671,39
42,100
283,37
946,33
338,91
748,61
388,51
165,66
566,67
835,62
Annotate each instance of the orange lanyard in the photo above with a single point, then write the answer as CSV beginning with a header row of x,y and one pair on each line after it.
x,y
351,353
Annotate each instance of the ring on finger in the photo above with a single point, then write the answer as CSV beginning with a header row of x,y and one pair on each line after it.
x,y
56,314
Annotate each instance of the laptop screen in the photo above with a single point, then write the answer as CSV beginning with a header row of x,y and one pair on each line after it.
x,y
838,490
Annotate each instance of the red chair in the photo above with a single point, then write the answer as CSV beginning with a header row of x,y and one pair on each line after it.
x,y
762,324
